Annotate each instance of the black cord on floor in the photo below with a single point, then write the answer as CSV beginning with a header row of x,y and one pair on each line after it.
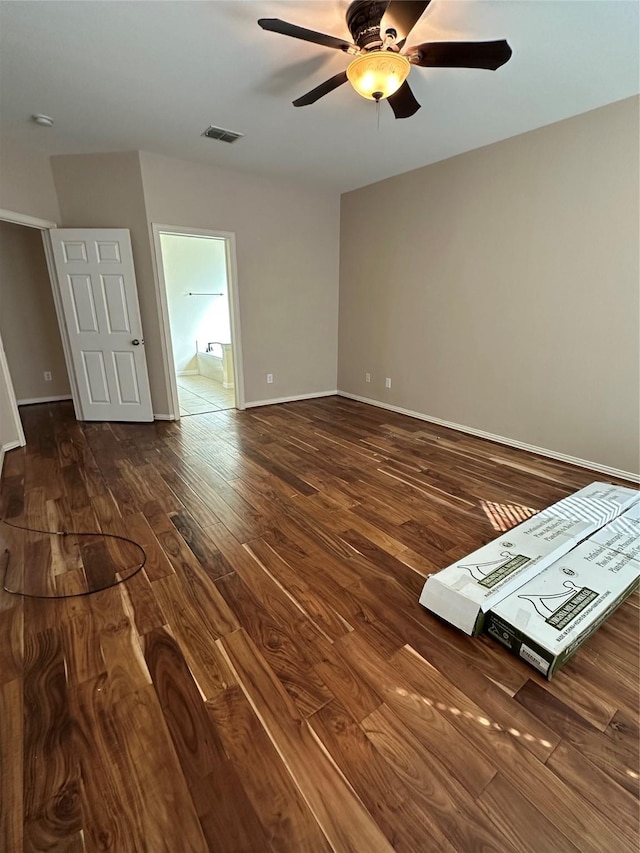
x,y
69,533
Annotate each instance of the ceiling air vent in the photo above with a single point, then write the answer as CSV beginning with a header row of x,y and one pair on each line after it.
x,y
223,135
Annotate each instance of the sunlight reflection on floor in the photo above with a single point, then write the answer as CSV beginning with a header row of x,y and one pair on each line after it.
x,y
505,516
483,721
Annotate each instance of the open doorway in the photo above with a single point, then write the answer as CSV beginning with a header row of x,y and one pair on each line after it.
x,y
195,272
32,360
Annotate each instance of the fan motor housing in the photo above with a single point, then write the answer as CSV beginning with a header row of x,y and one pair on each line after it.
x,y
363,20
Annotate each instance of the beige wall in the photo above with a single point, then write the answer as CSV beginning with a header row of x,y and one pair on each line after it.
x,y
287,252
500,289
26,182
287,242
28,322
105,191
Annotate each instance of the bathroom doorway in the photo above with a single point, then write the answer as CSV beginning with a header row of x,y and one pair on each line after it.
x,y
196,277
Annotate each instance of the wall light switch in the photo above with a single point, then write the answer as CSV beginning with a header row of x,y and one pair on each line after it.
x,y
387,382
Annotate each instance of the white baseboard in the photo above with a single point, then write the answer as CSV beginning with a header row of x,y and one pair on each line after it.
x,y
227,385
187,372
254,403
31,400
500,439
163,417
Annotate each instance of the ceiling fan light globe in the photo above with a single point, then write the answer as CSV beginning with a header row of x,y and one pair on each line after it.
x,y
378,72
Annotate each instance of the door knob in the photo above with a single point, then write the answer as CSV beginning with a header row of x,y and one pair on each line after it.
x,y
135,342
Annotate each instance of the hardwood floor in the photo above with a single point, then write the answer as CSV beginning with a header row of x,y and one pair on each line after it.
x,y
269,681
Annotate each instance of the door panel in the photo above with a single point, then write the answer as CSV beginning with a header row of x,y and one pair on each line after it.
x,y
107,252
84,307
95,376
116,303
74,251
126,381
98,292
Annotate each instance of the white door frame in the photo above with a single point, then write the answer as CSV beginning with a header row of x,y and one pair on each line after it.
x,y
163,310
66,345
42,225
23,219
13,406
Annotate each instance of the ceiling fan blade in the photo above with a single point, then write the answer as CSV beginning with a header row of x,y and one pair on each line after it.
x,y
403,15
461,54
275,25
321,90
403,102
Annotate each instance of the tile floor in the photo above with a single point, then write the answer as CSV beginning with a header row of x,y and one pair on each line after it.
x,y
198,394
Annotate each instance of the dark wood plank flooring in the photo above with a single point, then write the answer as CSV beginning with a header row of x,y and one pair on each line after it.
x,y
269,681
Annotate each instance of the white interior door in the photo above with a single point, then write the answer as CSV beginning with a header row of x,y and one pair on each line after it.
x,y
94,269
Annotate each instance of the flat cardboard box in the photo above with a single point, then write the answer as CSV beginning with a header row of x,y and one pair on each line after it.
x,y
463,592
597,503
622,534
548,618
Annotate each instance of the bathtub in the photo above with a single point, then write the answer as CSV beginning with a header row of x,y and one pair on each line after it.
x,y
218,364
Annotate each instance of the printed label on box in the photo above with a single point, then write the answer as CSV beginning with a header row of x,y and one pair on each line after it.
x,y
463,592
534,659
554,612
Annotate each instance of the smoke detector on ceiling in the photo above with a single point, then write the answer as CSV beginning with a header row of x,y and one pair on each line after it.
x,y
221,134
43,121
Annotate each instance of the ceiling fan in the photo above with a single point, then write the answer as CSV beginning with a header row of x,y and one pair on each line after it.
x,y
382,63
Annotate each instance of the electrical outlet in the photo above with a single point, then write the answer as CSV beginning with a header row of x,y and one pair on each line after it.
x,y
269,378
47,376
387,382
367,377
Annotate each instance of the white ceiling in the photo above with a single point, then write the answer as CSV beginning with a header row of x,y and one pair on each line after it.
x,y
152,75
